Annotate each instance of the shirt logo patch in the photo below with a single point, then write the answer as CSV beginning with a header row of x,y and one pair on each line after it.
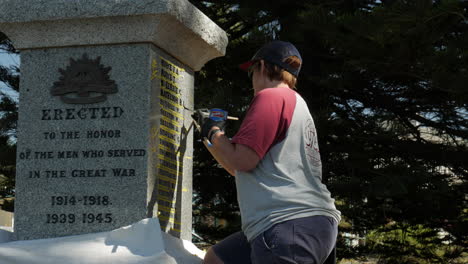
x,y
311,143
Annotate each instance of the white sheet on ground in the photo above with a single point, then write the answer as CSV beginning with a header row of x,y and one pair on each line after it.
x,y
140,243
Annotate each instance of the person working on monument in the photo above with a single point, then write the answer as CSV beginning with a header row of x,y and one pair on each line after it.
x,y
288,215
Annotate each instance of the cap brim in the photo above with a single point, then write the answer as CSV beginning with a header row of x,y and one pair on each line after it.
x,y
246,65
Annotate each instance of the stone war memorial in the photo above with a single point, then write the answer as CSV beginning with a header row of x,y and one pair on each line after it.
x,y
106,94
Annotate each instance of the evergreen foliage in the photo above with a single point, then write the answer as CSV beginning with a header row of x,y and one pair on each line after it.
x,y
8,119
386,85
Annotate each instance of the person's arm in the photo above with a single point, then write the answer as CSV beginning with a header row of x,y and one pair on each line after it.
x,y
265,124
233,157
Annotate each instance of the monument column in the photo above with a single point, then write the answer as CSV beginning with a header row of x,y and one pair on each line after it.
x,y
104,131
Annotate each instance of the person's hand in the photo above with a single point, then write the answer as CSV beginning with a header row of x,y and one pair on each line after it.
x,y
216,118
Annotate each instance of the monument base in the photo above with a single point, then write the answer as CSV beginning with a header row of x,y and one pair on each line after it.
x,y
141,242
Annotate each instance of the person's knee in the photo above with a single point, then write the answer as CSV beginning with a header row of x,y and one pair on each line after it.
x,y
212,258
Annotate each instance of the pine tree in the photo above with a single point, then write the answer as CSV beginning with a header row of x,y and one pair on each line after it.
x,y
385,82
8,119
391,102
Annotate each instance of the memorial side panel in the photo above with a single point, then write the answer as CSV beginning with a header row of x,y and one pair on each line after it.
x,y
173,142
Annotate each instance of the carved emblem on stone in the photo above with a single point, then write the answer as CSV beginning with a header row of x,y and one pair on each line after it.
x,y
84,81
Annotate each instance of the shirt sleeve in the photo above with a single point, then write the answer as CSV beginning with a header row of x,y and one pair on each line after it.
x,y
267,120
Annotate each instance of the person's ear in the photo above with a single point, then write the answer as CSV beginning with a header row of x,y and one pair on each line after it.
x,y
262,67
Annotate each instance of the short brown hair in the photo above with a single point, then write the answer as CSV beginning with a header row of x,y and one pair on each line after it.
x,y
276,73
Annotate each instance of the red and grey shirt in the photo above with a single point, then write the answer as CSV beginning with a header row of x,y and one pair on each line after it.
x,y
287,182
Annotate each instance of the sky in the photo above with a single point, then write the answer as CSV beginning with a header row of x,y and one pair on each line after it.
x,y
7,60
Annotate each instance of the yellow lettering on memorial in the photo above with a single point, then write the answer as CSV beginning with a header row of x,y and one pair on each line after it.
x,y
177,230
165,119
166,189
170,91
171,131
171,82
170,219
171,102
170,165
168,200
172,141
170,160
154,132
177,114
165,178
171,66
166,209
154,149
154,69
162,167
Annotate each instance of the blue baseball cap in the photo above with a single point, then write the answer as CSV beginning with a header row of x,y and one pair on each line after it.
x,y
275,52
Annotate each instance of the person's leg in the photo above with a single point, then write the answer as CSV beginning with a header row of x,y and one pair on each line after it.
x,y
234,249
274,245
332,257
314,238
212,258
304,240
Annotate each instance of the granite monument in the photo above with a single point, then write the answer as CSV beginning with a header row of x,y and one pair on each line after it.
x,y
106,93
